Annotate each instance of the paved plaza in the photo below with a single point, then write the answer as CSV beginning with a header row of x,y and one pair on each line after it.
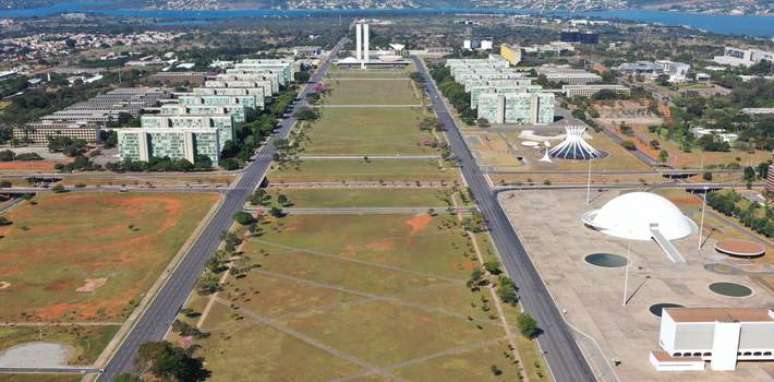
x,y
548,222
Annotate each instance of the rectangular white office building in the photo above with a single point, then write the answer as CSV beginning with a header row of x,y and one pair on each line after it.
x,y
691,336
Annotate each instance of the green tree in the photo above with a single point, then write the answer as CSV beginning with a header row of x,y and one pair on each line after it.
x,y
166,361
283,200
276,212
528,327
126,377
493,267
663,156
506,290
629,145
244,218
749,174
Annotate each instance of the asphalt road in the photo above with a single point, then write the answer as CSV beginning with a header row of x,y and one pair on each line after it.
x,y
157,318
562,353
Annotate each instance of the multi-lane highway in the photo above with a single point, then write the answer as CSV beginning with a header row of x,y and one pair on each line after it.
x,y
160,313
562,353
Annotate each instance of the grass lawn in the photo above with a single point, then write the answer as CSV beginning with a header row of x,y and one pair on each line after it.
x,y
368,92
392,295
87,341
110,246
140,180
336,170
695,158
368,131
30,377
333,198
336,71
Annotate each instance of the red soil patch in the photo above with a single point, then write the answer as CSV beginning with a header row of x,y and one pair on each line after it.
x,y
384,245
419,223
39,165
109,309
686,200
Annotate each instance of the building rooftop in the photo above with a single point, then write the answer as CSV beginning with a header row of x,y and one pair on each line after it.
x,y
721,314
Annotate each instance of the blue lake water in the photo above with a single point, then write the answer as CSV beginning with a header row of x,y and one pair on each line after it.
x,y
761,26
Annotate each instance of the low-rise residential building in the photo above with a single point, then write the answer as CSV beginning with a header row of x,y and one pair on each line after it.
x,y
84,119
180,78
721,134
677,71
307,51
589,90
743,57
38,133
758,110
566,74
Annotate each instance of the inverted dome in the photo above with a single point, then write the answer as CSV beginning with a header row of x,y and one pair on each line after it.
x,y
632,215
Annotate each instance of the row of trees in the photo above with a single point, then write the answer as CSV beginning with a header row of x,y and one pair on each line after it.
x,y
9,156
202,163
759,219
454,92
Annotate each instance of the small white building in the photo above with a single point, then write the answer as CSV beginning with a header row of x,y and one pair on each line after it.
x,y
743,57
722,336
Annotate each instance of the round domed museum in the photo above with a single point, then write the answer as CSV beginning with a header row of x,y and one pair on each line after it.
x,y
640,216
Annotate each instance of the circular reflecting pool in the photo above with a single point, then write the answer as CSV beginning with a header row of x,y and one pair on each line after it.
x,y
730,289
607,260
657,308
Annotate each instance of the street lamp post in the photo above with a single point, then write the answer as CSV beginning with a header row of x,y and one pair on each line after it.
x,y
701,224
588,186
626,277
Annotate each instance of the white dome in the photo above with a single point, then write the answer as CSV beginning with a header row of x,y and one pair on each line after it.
x,y
631,215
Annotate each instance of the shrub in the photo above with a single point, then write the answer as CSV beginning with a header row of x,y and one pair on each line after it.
x,y
506,290
527,325
493,267
244,218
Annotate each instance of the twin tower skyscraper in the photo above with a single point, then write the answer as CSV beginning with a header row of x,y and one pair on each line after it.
x,y
361,43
